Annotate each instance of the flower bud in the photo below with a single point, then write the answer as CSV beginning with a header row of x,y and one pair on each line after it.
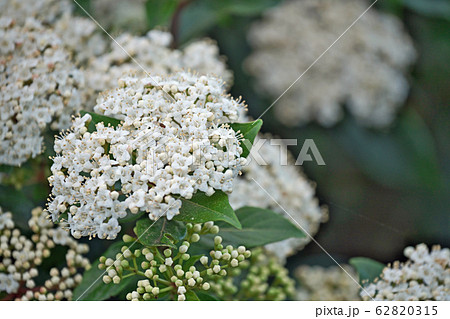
x,y
195,238
127,238
204,260
217,240
167,252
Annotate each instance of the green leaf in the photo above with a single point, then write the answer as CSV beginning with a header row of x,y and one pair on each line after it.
x,y
249,131
160,233
204,296
191,296
201,208
92,286
368,269
259,227
159,13
97,118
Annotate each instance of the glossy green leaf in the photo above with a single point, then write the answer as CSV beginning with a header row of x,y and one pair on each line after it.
x,y
97,118
92,286
201,208
249,131
162,232
368,269
259,227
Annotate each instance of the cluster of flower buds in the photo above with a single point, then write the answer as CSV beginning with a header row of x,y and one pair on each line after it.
x,y
262,277
172,273
20,258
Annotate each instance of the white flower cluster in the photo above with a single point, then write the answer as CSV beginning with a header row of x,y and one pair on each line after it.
x,y
424,276
38,84
173,141
50,88
288,186
20,258
326,284
363,71
45,11
81,37
153,56
78,35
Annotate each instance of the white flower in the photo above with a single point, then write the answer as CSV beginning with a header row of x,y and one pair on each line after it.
x,y
8,283
6,221
109,230
364,70
425,276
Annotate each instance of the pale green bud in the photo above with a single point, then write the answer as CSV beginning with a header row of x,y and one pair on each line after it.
x,y
185,257
180,272
217,240
163,268
177,267
127,238
195,238
214,229
204,260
